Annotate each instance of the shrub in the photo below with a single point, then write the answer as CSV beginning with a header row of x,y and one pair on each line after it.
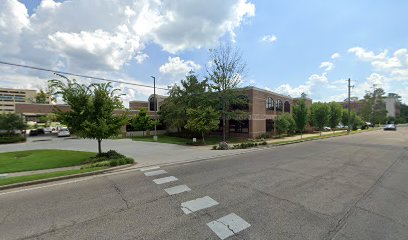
x,y
214,147
12,139
263,143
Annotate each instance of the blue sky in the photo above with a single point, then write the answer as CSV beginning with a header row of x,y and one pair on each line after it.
x,y
313,47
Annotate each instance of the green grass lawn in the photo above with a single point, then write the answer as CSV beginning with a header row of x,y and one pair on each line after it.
x,y
12,180
182,141
40,159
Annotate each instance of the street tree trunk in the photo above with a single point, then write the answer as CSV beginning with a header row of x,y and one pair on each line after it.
x,y
202,136
99,146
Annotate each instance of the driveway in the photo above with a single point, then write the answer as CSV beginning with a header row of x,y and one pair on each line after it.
x,y
144,153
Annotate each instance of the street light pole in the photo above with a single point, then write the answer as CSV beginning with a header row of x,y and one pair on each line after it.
x,y
155,106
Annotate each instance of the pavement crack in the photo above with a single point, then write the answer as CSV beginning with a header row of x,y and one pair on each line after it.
x,y
119,191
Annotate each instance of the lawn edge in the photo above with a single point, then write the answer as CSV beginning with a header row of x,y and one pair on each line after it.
x,y
53,179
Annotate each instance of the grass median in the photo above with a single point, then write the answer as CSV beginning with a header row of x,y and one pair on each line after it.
x,y
41,159
20,179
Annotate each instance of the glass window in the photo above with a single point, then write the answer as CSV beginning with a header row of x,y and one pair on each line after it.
x,y
279,105
286,107
269,103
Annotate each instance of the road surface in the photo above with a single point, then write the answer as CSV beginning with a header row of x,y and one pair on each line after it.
x,y
352,187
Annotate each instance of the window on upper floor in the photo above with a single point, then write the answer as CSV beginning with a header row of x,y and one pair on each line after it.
x,y
279,105
269,103
286,107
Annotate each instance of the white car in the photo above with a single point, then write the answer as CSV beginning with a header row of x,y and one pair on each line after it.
x,y
64,132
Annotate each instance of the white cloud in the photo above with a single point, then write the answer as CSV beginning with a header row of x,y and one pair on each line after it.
x,y
269,38
327,66
13,20
176,68
364,55
140,58
335,55
186,24
61,32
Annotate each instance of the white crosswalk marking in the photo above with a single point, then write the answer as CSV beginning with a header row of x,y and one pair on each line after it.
x,y
198,204
165,180
154,173
177,189
149,168
228,225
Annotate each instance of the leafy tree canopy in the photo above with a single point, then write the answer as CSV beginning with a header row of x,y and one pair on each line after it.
x,y
92,109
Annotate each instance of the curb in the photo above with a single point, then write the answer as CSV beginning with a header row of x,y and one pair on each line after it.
x,y
35,182
127,167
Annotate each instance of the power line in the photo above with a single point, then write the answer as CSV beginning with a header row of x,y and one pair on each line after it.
x,y
77,75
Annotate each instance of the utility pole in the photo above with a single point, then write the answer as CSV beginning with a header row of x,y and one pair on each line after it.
x,y
155,106
349,106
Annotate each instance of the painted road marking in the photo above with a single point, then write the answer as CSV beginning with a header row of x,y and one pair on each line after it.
x,y
149,168
177,189
165,180
228,225
154,173
198,204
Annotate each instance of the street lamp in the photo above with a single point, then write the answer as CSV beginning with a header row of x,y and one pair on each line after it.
x,y
155,107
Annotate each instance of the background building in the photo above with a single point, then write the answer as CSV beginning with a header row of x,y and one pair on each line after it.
x,y
9,97
393,105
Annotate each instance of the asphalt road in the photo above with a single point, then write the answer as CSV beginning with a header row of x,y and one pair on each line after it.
x,y
352,187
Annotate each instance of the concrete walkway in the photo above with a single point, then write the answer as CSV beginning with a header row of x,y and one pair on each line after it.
x,y
26,173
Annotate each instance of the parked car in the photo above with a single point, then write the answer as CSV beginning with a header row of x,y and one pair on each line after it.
x,y
64,132
391,127
33,132
47,130
327,128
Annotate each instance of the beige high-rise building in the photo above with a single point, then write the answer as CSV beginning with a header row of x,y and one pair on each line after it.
x,y
10,96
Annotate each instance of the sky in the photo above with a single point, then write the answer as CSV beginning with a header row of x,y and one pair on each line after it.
x,y
289,47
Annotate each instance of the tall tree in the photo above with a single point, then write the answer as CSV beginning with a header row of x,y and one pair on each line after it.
x,y
92,109
202,120
142,122
373,106
300,115
320,115
336,112
225,73
191,93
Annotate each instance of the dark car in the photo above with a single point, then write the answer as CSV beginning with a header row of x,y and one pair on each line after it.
x,y
391,127
33,132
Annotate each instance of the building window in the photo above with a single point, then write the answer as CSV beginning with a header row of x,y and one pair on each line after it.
x,y
269,125
269,103
286,107
279,106
241,126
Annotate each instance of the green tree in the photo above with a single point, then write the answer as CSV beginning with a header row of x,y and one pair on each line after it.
x,y
336,111
41,97
373,106
191,93
282,124
291,122
142,122
320,113
225,74
202,120
11,121
300,115
92,109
